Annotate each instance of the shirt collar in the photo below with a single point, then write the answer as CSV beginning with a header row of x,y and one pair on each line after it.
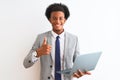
x,y
55,35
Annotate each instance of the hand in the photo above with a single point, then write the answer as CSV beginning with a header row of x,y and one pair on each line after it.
x,y
79,74
44,49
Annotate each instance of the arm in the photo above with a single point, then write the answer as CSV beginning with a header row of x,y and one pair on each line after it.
x,y
30,59
37,51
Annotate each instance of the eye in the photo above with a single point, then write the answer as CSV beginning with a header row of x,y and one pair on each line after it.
x,y
61,18
54,18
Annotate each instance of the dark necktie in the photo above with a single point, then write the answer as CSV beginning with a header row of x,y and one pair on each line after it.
x,y
57,59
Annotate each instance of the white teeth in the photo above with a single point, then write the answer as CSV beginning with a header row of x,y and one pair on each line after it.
x,y
57,25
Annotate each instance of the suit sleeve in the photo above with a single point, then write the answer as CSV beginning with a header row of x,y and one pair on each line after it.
x,y
30,59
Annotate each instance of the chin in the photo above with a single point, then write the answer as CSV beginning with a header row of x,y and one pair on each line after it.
x,y
59,29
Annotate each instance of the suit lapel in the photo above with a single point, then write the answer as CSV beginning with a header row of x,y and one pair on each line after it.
x,y
65,46
49,41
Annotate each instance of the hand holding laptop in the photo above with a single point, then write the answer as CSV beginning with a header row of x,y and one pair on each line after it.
x,y
79,74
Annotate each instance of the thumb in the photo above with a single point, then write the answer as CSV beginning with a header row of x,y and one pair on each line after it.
x,y
45,41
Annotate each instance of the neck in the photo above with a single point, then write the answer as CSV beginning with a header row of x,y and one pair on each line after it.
x,y
58,31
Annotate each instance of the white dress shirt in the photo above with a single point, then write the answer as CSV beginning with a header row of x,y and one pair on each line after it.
x,y
54,35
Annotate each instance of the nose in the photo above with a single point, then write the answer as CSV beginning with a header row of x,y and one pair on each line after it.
x,y
57,21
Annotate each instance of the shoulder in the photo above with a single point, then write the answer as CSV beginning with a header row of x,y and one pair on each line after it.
x,y
44,34
71,35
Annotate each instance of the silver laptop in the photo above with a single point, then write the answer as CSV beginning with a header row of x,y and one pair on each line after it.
x,y
85,62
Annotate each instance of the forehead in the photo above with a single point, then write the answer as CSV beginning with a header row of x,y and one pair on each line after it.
x,y
57,14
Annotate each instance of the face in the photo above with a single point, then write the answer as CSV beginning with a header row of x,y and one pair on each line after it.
x,y
57,19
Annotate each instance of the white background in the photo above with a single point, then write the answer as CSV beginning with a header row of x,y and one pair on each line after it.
x,y
95,22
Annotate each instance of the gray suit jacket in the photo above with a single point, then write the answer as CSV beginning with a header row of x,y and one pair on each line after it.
x,y
70,52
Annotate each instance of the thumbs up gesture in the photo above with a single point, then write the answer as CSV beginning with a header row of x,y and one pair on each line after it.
x,y
44,49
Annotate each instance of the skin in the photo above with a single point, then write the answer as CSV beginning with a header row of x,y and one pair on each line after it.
x,y
57,20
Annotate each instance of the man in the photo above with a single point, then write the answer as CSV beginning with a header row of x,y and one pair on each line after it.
x,y
55,53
